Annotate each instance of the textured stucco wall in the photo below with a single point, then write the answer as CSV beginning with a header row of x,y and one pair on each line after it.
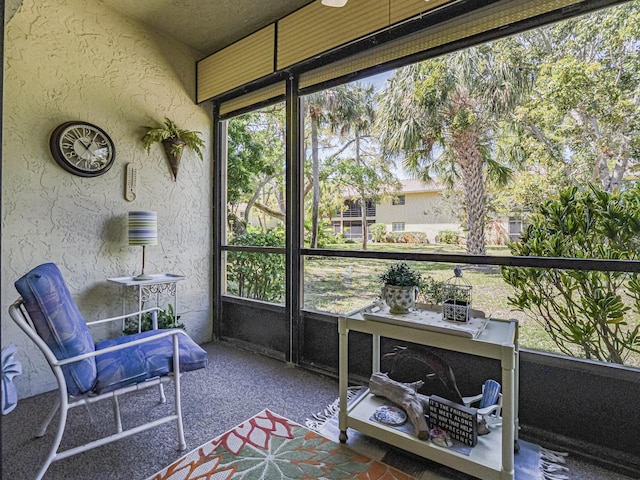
x,y
77,59
10,8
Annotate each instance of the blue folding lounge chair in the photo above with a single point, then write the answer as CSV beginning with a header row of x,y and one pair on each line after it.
x,y
88,372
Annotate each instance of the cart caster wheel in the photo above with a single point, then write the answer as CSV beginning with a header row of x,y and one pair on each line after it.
x,y
343,436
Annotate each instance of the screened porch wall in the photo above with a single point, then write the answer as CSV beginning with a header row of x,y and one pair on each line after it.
x,y
592,412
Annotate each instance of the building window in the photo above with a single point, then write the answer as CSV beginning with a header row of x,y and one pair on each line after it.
x,y
397,227
371,209
399,200
353,209
515,228
352,230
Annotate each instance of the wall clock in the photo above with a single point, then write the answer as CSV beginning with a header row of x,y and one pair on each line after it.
x,y
82,149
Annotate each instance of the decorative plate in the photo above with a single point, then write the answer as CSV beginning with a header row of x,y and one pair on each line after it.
x,y
390,415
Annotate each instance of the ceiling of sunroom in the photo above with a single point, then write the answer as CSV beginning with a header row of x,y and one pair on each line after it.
x,y
206,25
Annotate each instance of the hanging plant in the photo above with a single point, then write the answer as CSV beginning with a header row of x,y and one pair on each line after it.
x,y
174,140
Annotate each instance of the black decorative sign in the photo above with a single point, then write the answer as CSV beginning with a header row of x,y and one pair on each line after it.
x,y
461,422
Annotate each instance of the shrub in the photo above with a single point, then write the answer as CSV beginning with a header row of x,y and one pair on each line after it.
x,y
378,232
430,290
406,237
254,274
496,234
329,238
582,308
450,237
326,236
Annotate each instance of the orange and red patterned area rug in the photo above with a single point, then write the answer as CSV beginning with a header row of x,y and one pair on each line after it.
x,y
268,446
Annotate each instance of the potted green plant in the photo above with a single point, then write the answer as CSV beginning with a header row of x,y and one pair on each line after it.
x,y
166,319
174,140
400,284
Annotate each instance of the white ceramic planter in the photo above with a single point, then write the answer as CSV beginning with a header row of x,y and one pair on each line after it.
x,y
400,299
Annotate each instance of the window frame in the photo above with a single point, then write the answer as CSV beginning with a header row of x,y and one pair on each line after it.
x,y
294,249
399,200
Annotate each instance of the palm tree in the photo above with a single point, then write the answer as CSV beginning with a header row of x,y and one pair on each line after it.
x,y
352,110
340,109
317,104
442,114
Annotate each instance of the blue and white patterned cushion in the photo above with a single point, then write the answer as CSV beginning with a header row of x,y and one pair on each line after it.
x,y
59,323
147,360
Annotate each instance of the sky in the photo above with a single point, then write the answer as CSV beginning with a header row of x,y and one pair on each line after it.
x,y
379,80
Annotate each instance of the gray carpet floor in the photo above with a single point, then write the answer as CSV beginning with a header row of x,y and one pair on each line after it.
x,y
236,385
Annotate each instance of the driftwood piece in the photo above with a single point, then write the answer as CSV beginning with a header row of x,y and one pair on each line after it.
x,y
405,396
415,386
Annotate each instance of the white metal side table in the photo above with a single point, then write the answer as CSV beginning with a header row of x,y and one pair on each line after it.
x,y
160,283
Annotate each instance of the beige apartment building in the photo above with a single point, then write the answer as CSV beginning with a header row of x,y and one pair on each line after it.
x,y
418,207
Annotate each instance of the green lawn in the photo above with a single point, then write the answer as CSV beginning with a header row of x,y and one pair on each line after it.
x,y
340,285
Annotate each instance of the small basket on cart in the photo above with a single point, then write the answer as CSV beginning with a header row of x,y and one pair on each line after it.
x,y
456,298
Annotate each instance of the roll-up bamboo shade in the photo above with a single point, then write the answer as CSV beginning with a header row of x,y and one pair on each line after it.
x,y
315,28
402,9
487,18
267,93
242,62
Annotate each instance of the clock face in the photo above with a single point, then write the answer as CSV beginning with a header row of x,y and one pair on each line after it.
x,y
82,149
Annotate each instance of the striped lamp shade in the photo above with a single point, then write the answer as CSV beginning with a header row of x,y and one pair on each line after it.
x,y
143,228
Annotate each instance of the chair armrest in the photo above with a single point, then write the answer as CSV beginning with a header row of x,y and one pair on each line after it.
x,y
163,333
469,400
490,409
122,317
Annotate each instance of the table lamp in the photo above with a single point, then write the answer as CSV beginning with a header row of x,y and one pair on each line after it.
x,y
143,230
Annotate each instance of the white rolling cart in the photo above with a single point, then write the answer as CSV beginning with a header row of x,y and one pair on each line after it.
x,y
493,456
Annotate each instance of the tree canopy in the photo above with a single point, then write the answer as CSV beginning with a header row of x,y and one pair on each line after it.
x,y
509,124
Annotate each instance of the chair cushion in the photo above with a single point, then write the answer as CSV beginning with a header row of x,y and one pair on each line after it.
x,y
147,360
59,323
